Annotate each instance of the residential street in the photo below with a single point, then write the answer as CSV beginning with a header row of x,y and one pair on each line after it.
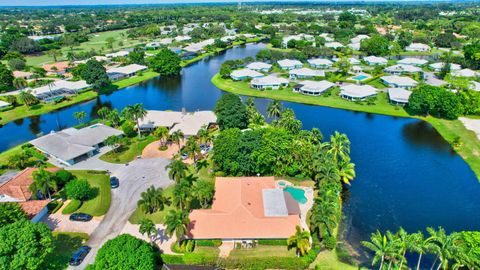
x,y
134,179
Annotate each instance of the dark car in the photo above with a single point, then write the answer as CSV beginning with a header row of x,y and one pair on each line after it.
x,y
80,217
79,255
114,183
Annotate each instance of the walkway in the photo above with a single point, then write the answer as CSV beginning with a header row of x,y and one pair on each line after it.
x,y
226,248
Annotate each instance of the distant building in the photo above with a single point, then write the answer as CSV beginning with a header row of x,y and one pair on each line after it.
x,y
466,72
59,88
268,82
58,68
357,92
412,61
22,74
259,66
399,81
118,73
334,45
401,69
359,38
437,67
305,73
418,47
288,64
375,61
313,88
122,53
320,63
4,104
245,73
398,96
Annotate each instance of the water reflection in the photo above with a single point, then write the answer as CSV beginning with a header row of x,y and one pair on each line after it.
x,y
421,133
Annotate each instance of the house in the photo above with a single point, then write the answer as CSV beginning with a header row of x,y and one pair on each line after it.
x,y
259,66
22,74
334,45
466,72
287,64
398,96
437,67
4,104
418,47
153,45
71,145
182,38
101,58
245,73
122,53
313,88
298,37
188,55
359,38
412,61
58,68
320,63
118,73
351,60
354,46
327,37
246,208
475,86
228,39
399,81
198,47
375,61
401,69
432,80
357,92
14,188
268,82
305,73
188,123
59,88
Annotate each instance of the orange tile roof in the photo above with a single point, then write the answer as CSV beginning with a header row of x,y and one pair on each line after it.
x,y
61,66
17,187
237,212
33,207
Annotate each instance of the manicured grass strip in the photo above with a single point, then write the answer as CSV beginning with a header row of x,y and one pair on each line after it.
x,y
66,243
99,205
157,217
201,256
136,79
129,151
327,260
71,207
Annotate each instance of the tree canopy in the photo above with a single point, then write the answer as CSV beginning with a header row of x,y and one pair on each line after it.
x,y
95,74
231,112
166,62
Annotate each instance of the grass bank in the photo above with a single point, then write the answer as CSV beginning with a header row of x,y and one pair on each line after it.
x,y
468,149
98,205
65,244
129,151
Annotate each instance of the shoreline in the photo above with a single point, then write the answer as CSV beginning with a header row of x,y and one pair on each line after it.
x,y
450,130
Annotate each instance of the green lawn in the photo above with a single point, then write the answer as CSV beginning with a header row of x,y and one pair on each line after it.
x,y
262,251
129,152
99,205
136,79
65,244
157,217
327,260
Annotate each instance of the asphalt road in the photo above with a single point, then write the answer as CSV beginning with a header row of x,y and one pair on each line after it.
x,y
134,179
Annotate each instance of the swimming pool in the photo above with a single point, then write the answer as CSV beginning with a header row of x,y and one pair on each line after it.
x,y
360,77
297,193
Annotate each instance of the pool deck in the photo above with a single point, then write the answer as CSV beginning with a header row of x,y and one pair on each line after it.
x,y
305,207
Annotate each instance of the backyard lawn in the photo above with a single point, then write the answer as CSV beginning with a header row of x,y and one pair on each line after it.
x,y
129,151
327,260
99,205
66,243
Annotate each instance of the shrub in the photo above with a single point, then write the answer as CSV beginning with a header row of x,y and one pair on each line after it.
x,y
129,129
329,242
71,207
53,206
209,243
273,242
64,176
78,190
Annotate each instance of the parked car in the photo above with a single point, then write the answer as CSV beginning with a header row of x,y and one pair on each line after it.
x,y
114,183
79,255
80,217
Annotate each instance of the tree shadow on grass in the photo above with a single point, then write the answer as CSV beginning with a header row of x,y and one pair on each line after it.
x,y
64,246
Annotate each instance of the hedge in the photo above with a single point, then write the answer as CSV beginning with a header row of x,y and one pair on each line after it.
x,y
273,242
190,258
53,206
208,243
71,207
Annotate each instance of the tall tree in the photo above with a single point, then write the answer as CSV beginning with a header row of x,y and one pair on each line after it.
x,y
203,192
166,63
379,245
162,134
6,78
43,182
95,74
274,109
176,222
177,137
147,227
54,53
153,200
80,115
176,170
11,212
231,112
300,241
135,113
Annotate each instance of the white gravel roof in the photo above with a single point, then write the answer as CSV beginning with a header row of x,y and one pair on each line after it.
x,y
375,60
466,72
307,72
269,80
245,72
403,68
399,95
258,66
316,86
358,91
130,69
289,63
320,62
439,65
334,45
412,61
400,80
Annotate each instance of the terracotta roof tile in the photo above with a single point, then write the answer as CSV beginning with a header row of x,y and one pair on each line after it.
x,y
17,187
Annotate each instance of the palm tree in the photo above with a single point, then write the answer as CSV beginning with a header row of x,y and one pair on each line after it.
x,y
339,146
274,109
103,112
379,245
152,200
300,241
112,142
80,115
19,83
443,246
192,148
346,170
176,222
147,227
27,98
420,246
177,136
204,135
176,170
54,53
161,133
201,164
114,117
135,113
43,182
406,242
203,192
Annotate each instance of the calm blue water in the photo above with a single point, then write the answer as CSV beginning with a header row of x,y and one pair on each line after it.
x,y
407,175
360,77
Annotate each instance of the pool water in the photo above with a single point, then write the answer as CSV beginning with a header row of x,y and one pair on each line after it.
x,y
360,77
297,193
282,184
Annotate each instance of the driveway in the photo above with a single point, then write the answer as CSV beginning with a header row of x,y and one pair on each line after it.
x,y
134,179
96,164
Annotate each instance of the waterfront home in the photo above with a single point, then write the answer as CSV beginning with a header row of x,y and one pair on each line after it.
x,y
400,69
288,64
22,74
357,92
182,38
412,61
298,37
118,73
59,88
320,63
245,73
334,45
198,47
14,188
354,46
359,38
259,66
228,39
437,67
398,96
188,123
58,68
466,72
188,55
122,53
305,73
268,82
313,88
4,104
246,208
418,47
474,86
72,145
356,69
399,81
375,61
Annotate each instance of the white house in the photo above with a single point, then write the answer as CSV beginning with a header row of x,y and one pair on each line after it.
x,y
396,81
59,88
4,104
268,82
197,47
228,38
288,64
320,63
117,73
437,67
375,60
418,47
313,88
475,86
122,53
188,123
259,66
327,37
354,46
399,96
245,73
357,92
359,38
412,61
400,69
298,37
351,60
334,45
182,38
305,73
466,72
